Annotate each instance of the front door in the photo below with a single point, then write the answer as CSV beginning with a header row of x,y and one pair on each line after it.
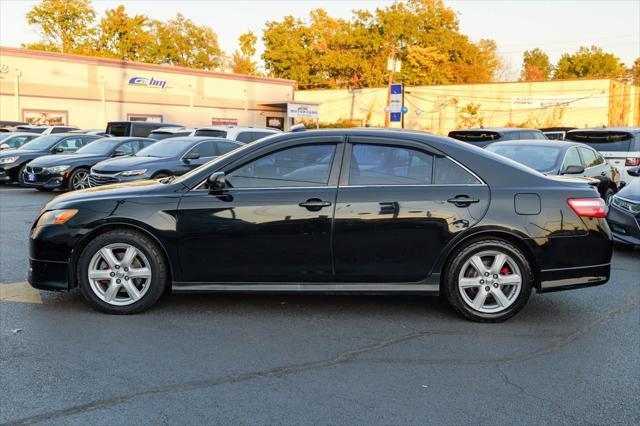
x,y
398,206
272,223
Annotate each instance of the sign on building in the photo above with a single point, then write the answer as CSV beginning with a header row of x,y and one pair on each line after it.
x,y
224,121
303,111
147,81
395,103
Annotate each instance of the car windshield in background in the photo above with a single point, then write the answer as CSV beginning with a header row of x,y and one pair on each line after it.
x,y
603,140
164,149
474,136
98,147
540,158
41,143
118,129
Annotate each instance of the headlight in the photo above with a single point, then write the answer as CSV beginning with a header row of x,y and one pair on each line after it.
x,y
7,160
56,170
133,172
626,205
56,217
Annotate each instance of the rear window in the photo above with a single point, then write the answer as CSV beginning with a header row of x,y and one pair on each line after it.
x,y
32,129
211,133
474,135
540,158
118,129
606,140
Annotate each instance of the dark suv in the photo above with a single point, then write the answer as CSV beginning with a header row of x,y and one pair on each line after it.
x,y
140,129
483,137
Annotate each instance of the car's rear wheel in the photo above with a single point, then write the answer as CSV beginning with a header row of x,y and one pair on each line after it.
x,y
122,272
488,280
608,196
79,179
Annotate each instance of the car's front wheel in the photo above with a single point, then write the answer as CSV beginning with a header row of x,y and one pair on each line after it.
x,y
122,272
488,280
79,179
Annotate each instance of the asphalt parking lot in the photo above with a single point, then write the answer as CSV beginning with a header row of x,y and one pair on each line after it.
x,y
568,358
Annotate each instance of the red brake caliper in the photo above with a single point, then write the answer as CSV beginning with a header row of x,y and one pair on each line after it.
x,y
504,271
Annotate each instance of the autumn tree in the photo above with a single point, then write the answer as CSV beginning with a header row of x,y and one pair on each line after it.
x,y
242,59
589,62
635,71
536,65
65,25
125,37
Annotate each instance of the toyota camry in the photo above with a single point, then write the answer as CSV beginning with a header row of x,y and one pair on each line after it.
x,y
357,210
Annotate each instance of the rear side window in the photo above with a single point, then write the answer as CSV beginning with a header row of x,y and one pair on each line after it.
x,y
211,133
224,147
449,173
589,157
601,140
389,165
205,149
141,131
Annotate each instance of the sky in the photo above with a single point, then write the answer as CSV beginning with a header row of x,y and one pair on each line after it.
x,y
516,25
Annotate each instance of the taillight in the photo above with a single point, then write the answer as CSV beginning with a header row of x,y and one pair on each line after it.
x,y
588,207
632,161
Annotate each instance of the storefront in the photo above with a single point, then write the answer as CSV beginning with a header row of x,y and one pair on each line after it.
x,y
52,88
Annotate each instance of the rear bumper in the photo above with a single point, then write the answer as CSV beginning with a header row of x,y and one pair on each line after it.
x,y
47,275
571,278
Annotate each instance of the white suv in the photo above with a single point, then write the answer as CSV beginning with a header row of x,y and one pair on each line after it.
x,y
44,130
244,134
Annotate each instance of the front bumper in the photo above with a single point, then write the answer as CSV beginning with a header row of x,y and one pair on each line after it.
x,y
571,278
43,180
624,225
8,172
48,275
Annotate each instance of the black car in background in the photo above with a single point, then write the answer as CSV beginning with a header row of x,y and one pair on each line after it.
x,y
168,157
349,210
562,158
135,128
14,140
624,211
483,137
71,172
13,161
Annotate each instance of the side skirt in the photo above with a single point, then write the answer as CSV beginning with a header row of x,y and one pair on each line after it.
x,y
252,287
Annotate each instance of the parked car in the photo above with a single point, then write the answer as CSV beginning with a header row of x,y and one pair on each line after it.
x,y
97,132
14,140
71,172
343,210
483,137
13,161
171,132
624,211
169,157
9,125
562,158
619,145
140,129
244,134
44,130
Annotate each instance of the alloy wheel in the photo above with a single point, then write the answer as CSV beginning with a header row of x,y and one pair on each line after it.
x,y
119,274
80,180
490,281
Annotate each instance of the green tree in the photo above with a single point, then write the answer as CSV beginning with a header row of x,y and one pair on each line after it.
x,y
241,61
125,37
536,65
66,25
589,62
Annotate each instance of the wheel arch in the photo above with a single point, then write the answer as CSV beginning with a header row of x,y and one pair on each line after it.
x,y
164,172
111,226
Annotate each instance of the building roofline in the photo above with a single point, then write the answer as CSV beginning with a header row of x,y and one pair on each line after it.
x,y
117,63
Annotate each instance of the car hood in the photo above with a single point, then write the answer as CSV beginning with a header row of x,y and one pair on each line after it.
x,y
631,191
128,163
20,152
66,160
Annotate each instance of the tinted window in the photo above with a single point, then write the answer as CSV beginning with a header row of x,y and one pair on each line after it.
x,y
601,140
61,129
211,133
99,147
165,149
449,173
32,129
41,143
224,147
205,149
540,158
306,165
165,135
572,158
71,144
246,137
589,157
388,165
118,129
18,141
474,135
141,131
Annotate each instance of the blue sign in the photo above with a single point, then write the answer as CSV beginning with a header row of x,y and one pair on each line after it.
x,y
395,116
147,81
395,103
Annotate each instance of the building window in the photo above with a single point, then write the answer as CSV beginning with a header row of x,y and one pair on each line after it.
x,y
45,117
151,118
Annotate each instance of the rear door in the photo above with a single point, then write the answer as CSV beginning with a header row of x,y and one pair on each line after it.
x,y
398,205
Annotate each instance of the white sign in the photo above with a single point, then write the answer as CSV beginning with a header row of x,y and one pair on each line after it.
x,y
303,111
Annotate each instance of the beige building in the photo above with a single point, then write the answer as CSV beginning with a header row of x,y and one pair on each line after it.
x,y
439,109
45,87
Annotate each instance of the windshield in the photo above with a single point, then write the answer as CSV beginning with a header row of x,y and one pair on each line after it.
x,y
41,143
98,147
209,163
540,158
165,149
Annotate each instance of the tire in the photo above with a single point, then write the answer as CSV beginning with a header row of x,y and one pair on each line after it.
x,y
608,196
79,179
112,294
483,298
20,173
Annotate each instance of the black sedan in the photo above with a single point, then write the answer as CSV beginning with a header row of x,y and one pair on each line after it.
x,y
71,172
624,211
562,158
14,161
330,211
168,157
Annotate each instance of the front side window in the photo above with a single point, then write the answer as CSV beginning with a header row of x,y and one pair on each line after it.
x,y
71,144
449,173
307,165
389,165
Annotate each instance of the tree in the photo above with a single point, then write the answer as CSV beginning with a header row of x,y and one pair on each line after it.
x,y
66,25
125,37
536,65
589,62
635,71
241,61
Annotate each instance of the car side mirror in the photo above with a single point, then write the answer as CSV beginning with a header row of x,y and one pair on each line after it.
x,y
119,154
57,150
191,156
573,170
216,182
634,171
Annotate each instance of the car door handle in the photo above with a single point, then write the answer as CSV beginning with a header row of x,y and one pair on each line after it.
x,y
462,200
314,204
